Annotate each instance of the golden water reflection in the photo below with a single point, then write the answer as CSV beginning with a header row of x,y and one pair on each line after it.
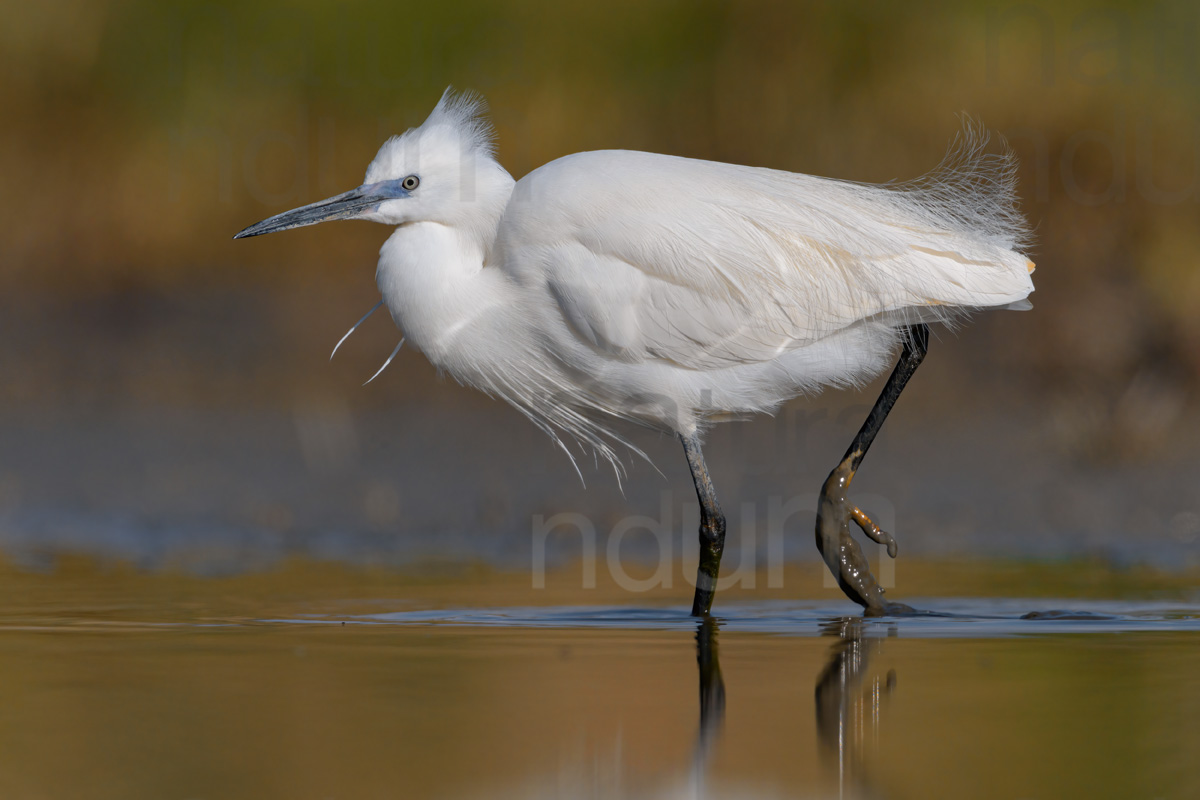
x,y
124,687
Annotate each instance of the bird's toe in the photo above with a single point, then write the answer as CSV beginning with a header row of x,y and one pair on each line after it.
x,y
874,532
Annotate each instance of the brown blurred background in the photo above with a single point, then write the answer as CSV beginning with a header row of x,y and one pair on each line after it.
x,y
165,393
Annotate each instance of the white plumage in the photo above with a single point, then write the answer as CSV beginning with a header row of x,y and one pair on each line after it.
x,y
669,290
674,292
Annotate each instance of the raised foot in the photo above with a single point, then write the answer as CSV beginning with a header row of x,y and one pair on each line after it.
x,y
842,554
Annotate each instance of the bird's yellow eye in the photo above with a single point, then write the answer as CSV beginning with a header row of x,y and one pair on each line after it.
x,y
411,182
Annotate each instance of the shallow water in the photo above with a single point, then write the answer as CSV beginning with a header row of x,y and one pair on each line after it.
x,y
337,603
116,686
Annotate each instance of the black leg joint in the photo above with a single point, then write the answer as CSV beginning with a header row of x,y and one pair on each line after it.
x,y
712,530
712,545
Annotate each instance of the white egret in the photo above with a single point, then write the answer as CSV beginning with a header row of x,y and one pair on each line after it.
x,y
676,292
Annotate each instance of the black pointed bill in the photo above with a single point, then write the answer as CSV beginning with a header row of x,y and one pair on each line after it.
x,y
350,205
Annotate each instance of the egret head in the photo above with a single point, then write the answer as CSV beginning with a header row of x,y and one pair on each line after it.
x,y
443,171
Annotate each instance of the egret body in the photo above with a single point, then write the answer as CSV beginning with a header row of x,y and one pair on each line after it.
x,y
676,292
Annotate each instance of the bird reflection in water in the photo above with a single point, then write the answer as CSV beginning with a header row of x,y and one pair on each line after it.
x,y
712,698
597,777
849,700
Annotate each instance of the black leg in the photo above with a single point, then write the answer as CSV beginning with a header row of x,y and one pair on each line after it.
x,y
712,528
835,512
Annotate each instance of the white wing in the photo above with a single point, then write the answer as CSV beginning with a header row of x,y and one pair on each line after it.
x,y
707,264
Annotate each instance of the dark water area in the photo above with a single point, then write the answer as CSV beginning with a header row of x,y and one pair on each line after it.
x,y
224,491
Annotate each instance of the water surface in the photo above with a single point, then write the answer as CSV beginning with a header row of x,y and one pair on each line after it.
x,y
150,686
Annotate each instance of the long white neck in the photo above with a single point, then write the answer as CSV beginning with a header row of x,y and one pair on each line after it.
x,y
433,282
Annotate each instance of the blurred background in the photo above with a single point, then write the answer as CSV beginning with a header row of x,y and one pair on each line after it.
x,y
166,396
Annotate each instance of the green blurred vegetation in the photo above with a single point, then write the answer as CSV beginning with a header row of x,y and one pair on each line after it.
x,y
139,136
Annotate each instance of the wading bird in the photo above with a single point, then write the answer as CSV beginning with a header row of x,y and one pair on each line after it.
x,y
675,292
